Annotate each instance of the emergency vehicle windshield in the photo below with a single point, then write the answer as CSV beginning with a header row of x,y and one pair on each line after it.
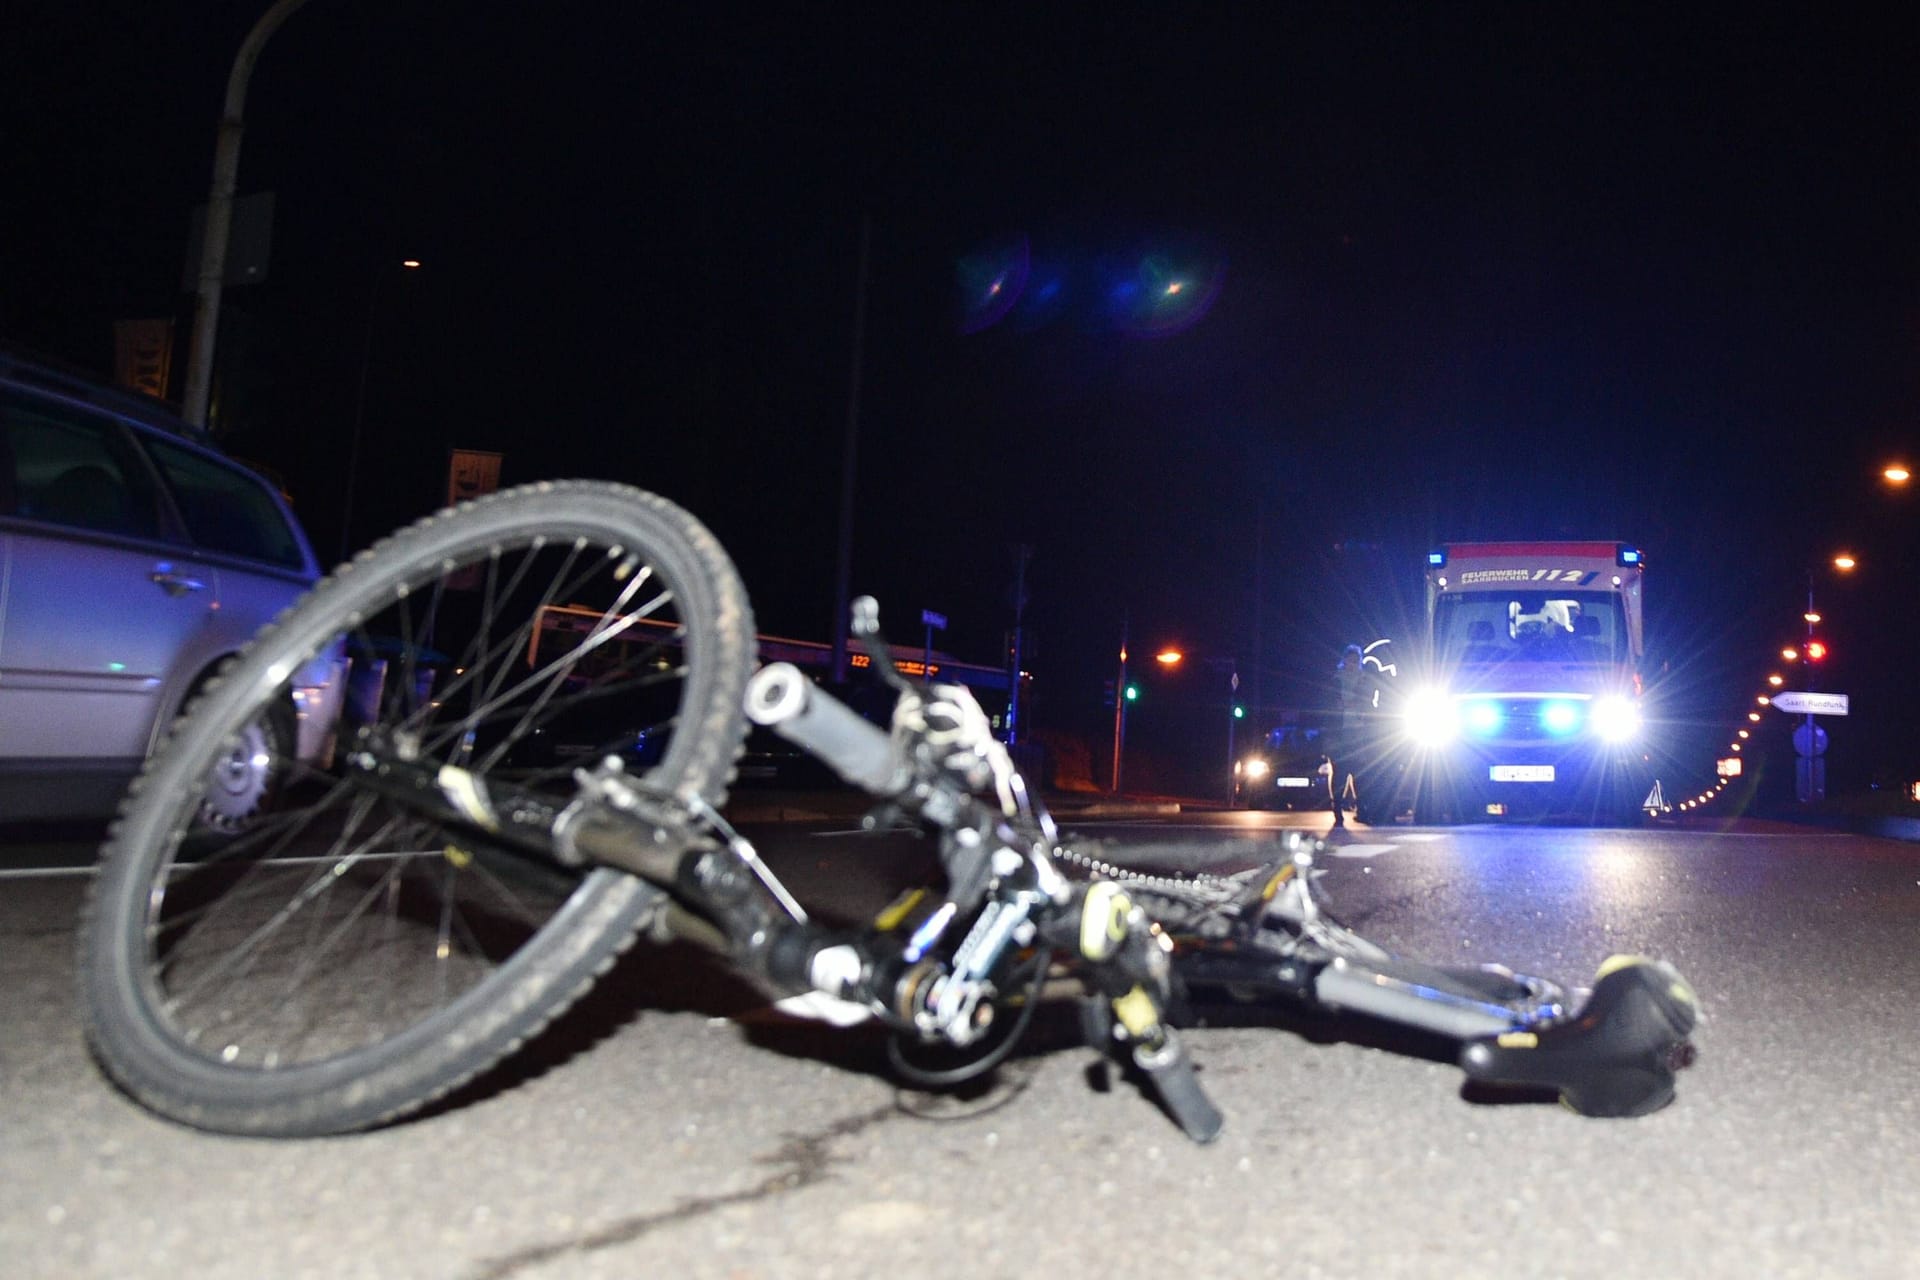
x,y
1579,628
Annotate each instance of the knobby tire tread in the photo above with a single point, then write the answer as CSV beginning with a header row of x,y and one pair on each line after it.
x,y
608,906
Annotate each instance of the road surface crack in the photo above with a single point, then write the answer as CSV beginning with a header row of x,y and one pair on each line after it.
x,y
802,1161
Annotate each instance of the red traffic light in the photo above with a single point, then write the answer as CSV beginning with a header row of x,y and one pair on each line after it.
x,y
1816,651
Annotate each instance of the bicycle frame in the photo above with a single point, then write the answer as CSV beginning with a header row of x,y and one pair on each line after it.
x,y
961,971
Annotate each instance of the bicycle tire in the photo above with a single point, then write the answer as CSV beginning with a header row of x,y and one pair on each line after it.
x,y
340,1044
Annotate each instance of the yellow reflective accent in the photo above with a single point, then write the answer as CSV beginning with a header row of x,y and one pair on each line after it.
x,y
1103,919
1518,1040
897,911
1136,1012
1280,877
1613,963
457,856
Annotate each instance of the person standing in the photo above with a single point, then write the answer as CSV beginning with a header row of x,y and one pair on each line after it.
x,y
1327,772
1350,689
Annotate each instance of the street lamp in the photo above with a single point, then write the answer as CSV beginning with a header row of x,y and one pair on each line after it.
x,y
213,245
360,405
1171,658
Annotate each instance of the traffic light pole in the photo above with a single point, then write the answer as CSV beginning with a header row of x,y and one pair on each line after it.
x,y
1120,708
1816,788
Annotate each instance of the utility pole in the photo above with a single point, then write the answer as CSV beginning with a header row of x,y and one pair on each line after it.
x,y
843,571
213,247
1120,707
1021,555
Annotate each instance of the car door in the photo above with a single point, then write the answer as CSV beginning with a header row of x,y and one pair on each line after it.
x,y
102,605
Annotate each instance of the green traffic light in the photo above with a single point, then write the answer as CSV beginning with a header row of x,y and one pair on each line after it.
x,y
1133,693
1239,712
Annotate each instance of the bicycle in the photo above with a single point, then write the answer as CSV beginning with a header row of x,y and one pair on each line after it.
x,y
553,685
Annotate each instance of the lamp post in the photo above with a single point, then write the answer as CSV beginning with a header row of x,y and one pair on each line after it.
x,y
213,245
1171,658
1120,708
1810,774
360,406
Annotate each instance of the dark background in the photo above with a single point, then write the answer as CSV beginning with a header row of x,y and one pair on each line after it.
x,y
1455,272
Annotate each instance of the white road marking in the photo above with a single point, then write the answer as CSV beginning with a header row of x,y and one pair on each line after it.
x,y
1358,850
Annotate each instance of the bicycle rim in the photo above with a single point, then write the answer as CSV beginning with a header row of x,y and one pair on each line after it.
x,y
344,959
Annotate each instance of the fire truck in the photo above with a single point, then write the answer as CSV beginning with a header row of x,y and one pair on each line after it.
x,y
1528,703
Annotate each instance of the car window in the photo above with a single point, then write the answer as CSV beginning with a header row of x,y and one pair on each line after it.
x,y
72,469
224,508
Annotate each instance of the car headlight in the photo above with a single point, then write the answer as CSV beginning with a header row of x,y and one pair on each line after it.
x,y
1431,717
1255,769
1616,718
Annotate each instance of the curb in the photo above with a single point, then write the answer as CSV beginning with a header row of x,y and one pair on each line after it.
x,y
850,807
1890,828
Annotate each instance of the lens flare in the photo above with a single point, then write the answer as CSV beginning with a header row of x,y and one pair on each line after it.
x,y
1165,290
989,282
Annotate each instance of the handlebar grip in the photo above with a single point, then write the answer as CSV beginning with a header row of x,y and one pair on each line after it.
x,y
781,697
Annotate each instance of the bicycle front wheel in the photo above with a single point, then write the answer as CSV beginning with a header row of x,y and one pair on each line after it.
x,y
338,960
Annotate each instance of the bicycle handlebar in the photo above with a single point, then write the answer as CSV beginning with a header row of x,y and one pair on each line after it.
x,y
780,697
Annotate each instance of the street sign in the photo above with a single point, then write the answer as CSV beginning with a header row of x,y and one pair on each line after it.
x,y
938,621
1812,704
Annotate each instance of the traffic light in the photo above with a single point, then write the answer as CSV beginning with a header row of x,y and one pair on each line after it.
x,y
1133,692
1816,651
1239,712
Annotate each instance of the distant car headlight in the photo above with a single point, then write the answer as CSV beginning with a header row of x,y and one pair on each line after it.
x,y
1255,769
1616,718
1431,717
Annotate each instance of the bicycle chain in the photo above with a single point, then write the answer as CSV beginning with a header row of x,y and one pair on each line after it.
x,y
1197,887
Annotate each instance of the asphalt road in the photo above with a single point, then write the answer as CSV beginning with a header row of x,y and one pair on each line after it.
x,y
670,1126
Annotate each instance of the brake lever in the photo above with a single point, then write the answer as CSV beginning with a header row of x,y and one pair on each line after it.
x,y
866,628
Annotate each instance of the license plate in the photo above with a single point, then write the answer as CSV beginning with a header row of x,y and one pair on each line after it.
x,y
1523,773
1293,782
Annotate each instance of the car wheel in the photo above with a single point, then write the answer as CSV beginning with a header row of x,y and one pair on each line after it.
x,y
246,775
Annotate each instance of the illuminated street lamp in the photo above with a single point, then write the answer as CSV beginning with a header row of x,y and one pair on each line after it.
x,y
1845,563
1790,654
1171,657
1896,474
1775,680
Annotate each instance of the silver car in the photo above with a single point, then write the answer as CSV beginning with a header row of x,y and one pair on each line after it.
x,y
134,559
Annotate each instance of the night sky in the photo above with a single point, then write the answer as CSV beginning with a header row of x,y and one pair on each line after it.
x,y
1445,272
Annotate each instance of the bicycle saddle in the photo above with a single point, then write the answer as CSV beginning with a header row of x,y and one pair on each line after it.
x,y
1616,1057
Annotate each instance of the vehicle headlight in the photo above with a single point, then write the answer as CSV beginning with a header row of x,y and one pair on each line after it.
x,y
1431,717
1482,717
1255,769
1616,718
1560,718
